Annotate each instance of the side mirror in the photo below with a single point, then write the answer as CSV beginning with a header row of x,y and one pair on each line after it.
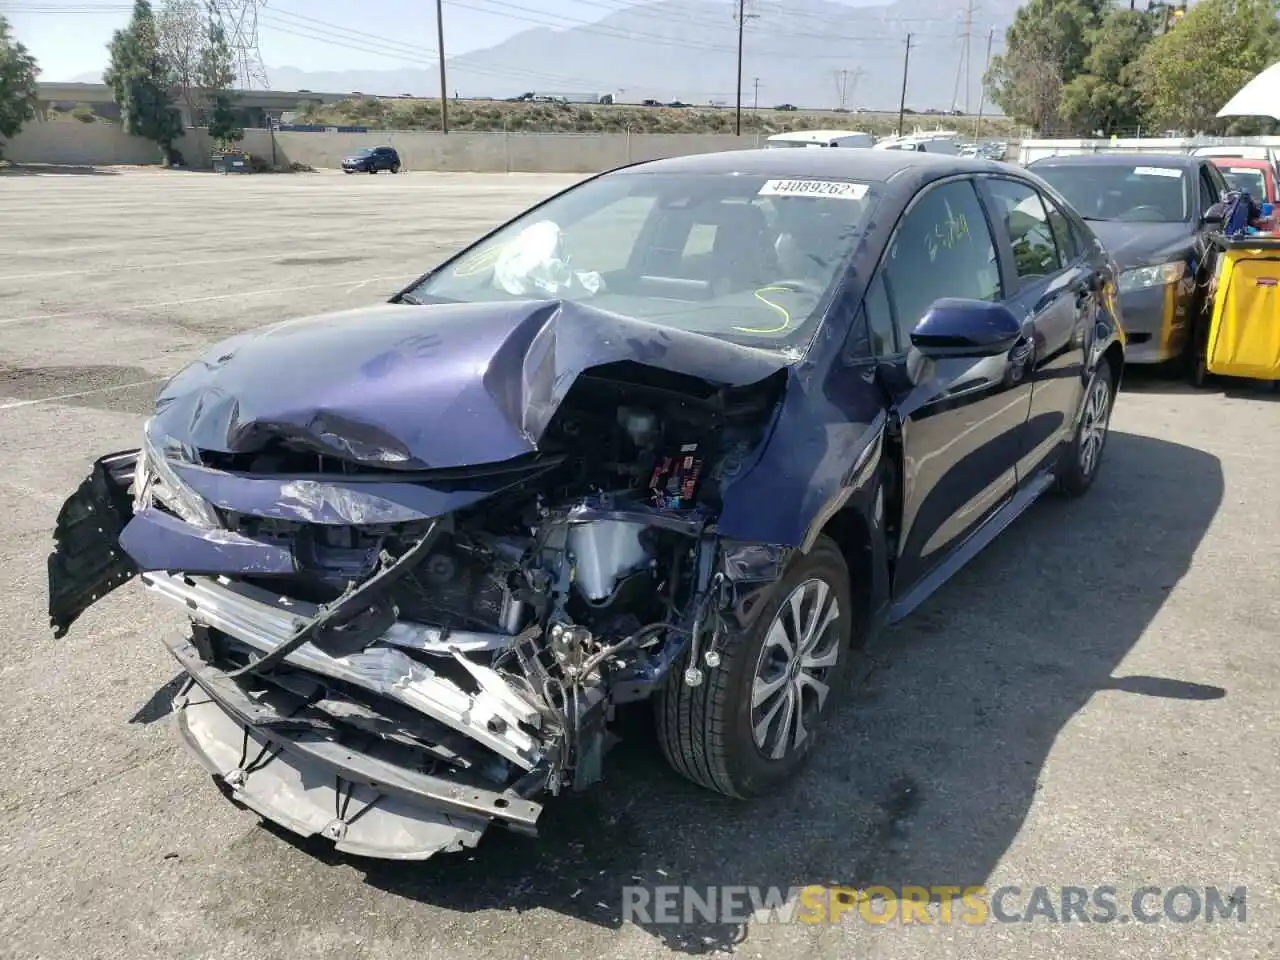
x,y
953,327
1215,214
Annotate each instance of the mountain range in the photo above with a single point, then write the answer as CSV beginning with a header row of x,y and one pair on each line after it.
x,y
813,53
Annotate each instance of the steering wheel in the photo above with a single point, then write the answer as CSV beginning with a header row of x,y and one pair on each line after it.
x,y
1141,213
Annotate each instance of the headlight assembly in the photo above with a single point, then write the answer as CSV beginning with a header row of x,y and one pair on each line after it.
x,y
155,480
1159,275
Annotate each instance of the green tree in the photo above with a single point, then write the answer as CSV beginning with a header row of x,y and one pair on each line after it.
x,y
1188,74
216,75
1106,96
1045,50
142,81
18,72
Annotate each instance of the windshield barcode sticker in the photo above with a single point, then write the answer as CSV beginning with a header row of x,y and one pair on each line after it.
x,y
839,189
1156,172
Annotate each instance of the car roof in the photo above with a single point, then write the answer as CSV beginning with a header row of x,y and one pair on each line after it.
x,y
853,164
1253,163
1172,161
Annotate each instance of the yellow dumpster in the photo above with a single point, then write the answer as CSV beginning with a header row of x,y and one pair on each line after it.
x,y
1243,339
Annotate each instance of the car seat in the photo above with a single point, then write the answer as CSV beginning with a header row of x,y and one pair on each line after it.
x,y
742,254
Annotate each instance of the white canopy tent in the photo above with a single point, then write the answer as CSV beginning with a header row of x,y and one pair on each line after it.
x,y
1260,97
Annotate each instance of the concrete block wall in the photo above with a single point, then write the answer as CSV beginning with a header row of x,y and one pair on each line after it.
x,y
503,152
73,143
67,142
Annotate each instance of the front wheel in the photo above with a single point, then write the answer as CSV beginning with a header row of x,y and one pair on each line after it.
x,y
1084,456
753,721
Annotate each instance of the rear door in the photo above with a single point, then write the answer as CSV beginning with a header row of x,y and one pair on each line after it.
x,y
1056,290
960,418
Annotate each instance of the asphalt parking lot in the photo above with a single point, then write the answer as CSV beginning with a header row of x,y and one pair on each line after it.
x,y
1093,701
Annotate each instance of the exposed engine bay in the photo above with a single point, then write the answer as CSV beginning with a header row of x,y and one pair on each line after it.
x,y
398,686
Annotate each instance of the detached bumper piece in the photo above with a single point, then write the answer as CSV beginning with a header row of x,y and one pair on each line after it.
x,y
296,754
87,562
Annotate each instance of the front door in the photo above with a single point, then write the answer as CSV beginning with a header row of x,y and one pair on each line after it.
x,y
1056,291
960,418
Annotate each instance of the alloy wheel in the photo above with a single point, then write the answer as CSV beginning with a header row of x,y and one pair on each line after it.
x,y
800,649
1093,425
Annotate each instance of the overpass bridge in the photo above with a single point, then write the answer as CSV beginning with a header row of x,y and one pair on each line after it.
x,y
257,106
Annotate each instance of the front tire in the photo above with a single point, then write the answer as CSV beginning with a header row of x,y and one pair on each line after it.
x,y
1083,458
753,721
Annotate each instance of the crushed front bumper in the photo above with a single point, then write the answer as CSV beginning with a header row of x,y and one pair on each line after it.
x,y
276,760
292,765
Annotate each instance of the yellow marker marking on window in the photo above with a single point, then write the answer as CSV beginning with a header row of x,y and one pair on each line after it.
x,y
478,263
786,317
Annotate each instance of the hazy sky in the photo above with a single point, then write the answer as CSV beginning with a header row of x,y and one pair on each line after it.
x,y
69,37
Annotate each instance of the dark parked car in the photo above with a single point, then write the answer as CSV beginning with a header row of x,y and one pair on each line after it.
x,y
1154,214
371,160
692,431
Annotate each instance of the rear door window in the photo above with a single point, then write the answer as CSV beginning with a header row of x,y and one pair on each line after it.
x,y
1020,211
1066,238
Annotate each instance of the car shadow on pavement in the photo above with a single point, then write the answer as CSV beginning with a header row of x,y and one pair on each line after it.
x,y
1155,380
928,773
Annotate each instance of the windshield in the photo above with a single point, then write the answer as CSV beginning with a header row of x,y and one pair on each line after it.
x,y
1249,179
744,258
1122,191
366,152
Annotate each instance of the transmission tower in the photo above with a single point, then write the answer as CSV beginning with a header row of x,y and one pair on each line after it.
x,y
239,20
846,82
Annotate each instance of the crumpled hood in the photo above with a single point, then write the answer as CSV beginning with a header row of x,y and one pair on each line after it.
x,y
423,387
1143,244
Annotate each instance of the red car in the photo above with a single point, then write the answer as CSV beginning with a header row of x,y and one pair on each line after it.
x,y
1255,177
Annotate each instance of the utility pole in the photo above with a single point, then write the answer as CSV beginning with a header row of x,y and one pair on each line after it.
x,y
755,99
444,86
968,60
743,17
902,104
982,101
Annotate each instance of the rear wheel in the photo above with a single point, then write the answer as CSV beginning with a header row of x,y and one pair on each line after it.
x,y
395,168
753,721
1084,456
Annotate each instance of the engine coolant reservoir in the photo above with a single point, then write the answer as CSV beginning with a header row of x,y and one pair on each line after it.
x,y
604,551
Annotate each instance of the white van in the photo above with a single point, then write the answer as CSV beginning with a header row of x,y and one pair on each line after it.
x,y
921,144
820,138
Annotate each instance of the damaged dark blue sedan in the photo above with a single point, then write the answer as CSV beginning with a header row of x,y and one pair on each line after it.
x,y
692,431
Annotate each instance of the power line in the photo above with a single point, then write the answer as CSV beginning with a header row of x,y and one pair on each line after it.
x,y
353,39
